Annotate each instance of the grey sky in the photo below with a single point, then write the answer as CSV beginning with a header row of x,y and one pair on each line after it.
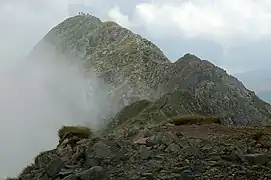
x,y
234,34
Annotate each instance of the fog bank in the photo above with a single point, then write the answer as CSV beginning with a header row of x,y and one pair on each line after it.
x,y
37,97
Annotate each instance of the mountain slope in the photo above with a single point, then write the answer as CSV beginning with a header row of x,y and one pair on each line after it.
x,y
137,92
137,69
159,151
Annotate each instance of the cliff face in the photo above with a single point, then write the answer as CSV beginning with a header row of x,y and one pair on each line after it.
x,y
137,69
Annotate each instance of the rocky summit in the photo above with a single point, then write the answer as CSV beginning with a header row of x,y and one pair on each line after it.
x,y
137,69
182,120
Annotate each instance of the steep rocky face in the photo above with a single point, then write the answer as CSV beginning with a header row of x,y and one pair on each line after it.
x,y
137,69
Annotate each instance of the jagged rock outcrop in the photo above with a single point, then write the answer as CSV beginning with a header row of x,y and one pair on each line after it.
x,y
137,69
161,151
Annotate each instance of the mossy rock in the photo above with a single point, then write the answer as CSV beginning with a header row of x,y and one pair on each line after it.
x,y
194,119
79,131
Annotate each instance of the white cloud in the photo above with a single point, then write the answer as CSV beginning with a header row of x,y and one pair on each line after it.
x,y
116,15
226,22
218,20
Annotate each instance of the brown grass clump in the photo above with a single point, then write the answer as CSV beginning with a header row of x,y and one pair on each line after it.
x,y
194,119
79,131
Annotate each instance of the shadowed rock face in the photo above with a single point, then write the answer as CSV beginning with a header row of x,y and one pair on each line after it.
x,y
137,69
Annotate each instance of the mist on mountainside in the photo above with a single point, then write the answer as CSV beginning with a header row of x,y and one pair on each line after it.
x,y
38,96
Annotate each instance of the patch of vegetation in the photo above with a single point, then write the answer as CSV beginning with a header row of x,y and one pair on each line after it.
x,y
110,27
131,111
128,47
194,119
258,135
79,131
109,23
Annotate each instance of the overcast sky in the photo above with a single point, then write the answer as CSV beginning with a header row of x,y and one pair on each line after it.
x,y
234,34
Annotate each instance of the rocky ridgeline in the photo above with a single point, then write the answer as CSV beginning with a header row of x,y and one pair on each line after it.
x,y
137,69
141,141
162,151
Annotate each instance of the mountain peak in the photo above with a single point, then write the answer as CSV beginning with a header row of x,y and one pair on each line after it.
x,y
90,18
190,56
147,106
118,55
